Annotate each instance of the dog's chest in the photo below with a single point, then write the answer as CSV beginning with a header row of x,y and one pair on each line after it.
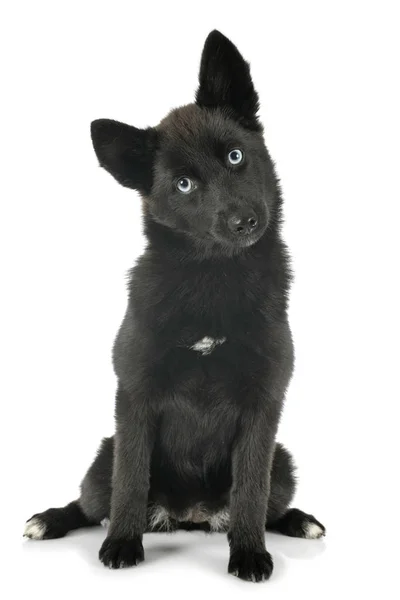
x,y
210,338
207,344
203,327
209,318
212,296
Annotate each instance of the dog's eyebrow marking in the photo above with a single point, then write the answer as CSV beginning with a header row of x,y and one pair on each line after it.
x,y
207,344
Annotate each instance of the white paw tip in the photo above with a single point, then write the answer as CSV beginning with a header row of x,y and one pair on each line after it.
x,y
105,522
35,529
313,531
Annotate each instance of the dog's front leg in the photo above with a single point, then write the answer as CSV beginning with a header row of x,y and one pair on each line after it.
x,y
251,469
130,483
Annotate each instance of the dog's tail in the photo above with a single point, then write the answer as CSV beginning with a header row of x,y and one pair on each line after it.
x,y
56,522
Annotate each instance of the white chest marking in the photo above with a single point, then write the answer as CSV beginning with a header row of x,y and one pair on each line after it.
x,y
207,344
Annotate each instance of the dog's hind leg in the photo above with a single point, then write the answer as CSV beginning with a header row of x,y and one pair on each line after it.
x,y
92,507
56,522
297,523
95,497
280,518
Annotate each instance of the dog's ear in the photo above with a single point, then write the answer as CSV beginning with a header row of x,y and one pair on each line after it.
x,y
225,81
126,152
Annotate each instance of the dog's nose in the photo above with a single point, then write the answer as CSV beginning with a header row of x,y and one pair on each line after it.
x,y
243,224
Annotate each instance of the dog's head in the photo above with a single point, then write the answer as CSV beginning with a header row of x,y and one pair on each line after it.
x,y
204,171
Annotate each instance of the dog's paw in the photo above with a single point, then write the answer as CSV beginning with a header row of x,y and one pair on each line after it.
x,y
251,566
297,523
120,553
313,529
47,525
35,528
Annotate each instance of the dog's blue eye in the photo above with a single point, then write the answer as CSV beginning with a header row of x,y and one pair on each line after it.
x,y
184,185
235,156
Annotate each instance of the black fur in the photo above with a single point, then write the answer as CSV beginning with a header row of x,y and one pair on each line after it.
x,y
60,521
204,354
225,81
294,523
125,152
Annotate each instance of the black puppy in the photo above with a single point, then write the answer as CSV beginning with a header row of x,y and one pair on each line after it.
x,y
204,354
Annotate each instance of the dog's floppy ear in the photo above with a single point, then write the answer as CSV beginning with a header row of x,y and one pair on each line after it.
x,y
225,81
126,152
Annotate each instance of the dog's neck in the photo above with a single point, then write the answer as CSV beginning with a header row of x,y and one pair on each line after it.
x,y
219,292
181,248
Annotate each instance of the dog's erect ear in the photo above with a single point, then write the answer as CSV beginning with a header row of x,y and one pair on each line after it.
x,y
126,152
225,80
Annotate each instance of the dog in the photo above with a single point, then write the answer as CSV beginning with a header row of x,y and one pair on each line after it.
x,y
204,354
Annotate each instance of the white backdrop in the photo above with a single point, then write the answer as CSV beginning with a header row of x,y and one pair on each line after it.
x,y
328,78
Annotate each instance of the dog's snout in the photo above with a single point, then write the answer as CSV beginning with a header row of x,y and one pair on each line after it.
x,y
243,224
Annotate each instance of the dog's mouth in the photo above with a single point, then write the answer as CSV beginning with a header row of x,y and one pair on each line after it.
x,y
249,240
